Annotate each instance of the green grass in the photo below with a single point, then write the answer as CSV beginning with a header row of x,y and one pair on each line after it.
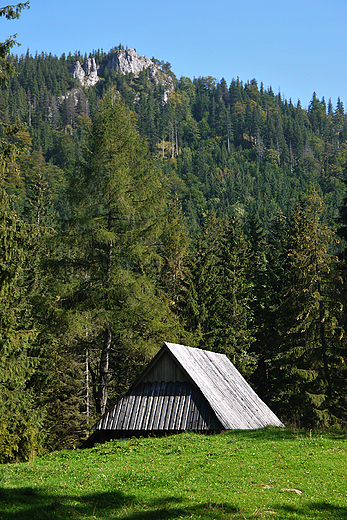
x,y
236,475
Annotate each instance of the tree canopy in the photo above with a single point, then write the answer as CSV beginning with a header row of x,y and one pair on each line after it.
x,y
132,213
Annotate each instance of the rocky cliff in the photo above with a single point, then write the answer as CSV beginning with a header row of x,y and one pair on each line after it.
x,y
87,73
126,61
129,61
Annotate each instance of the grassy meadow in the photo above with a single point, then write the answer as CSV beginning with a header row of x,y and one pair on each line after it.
x,y
271,473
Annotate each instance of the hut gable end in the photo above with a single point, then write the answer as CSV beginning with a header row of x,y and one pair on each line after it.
x,y
165,369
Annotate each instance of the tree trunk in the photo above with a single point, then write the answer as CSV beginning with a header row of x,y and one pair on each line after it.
x,y
104,364
87,389
324,346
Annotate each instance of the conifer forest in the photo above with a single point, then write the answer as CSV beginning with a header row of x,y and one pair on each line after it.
x,y
206,214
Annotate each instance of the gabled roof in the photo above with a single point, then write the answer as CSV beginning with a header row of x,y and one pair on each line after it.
x,y
234,402
186,388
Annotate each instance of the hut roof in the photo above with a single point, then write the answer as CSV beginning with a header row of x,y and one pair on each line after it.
x,y
234,402
186,388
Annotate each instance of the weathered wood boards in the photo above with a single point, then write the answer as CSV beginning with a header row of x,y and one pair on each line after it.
x,y
234,402
161,406
186,388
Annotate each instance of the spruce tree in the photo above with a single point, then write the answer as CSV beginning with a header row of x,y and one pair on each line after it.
x,y
236,325
269,336
174,252
311,357
218,292
11,12
256,274
201,283
20,420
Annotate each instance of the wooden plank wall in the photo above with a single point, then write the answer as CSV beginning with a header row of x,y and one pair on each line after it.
x,y
166,369
161,406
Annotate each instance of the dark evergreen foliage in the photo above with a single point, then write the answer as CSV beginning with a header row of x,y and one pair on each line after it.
x,y
138,214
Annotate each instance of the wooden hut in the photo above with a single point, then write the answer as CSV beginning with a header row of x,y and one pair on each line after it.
x,y
185,388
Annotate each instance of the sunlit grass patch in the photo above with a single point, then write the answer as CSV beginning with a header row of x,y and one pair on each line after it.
x,y
271,473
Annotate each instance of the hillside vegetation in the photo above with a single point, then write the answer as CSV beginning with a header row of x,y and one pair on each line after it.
x,y
190,211
262,474
224,146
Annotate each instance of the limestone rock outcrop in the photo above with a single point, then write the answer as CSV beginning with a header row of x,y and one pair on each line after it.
x,y
128,60
125,61
86,74
77,71
91,71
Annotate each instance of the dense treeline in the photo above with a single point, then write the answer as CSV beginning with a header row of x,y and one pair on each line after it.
x,y
238,147
129,215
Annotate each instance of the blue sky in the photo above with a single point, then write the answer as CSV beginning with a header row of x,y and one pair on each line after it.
x,y
295,46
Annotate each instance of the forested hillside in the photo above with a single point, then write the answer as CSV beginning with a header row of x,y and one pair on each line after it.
x,y
138,210
237,147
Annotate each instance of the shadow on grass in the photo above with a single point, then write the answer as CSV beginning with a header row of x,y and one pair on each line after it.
x,y
312,511
169,509
38,504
